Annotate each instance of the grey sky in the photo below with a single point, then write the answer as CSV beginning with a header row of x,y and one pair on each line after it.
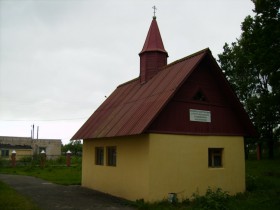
x,y
60,58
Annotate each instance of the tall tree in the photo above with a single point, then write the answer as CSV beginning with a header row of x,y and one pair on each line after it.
x,y
75,147
252,66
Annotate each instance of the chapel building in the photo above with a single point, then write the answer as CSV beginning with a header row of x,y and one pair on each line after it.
x,y
176,129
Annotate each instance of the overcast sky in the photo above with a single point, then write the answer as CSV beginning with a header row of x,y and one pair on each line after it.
x,y
60,58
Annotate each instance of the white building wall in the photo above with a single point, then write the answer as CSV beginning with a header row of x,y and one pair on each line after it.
x,y
52,146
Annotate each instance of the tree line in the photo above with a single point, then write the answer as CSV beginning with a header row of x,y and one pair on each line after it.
x,y
74,146
252,66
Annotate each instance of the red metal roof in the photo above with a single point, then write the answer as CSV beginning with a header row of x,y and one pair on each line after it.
x,y
153,40
131,108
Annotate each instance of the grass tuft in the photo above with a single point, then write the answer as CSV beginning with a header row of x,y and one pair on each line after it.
x,y
12,200
60,175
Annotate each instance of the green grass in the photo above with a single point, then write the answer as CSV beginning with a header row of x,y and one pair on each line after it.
x,y
12,200
262,179
56,174
263,186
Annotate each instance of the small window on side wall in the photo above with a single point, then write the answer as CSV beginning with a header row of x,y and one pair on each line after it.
x,y
215,157
4,153
111,156
99,156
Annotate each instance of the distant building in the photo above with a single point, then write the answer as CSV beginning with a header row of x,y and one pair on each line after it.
x,y
177,128
21,150
52,147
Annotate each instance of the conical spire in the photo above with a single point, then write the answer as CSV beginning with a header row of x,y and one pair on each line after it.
x,y
153,55
153,40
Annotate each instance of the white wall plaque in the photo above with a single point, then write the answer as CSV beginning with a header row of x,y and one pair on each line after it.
x,y
200,115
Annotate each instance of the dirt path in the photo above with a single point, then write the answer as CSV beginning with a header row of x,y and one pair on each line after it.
x,y
51,196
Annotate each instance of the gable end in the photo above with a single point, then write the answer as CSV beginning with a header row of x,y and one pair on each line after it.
x,y
221,110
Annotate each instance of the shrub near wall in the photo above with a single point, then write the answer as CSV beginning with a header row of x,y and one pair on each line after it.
x,y
213,199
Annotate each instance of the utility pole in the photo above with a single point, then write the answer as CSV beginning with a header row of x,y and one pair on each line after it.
x,y
32,131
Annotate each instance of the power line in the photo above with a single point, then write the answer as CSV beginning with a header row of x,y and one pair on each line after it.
x,y
46,120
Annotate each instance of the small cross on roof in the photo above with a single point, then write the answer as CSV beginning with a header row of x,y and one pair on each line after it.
x,y
154,7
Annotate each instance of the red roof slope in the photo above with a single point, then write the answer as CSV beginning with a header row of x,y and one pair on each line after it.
x,y
131,108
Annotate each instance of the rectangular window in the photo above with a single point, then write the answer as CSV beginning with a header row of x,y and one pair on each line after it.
x,y
111,156
5,153
99,156
215,157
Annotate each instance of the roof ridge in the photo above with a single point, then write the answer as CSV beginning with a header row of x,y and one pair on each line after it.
x,y
187,57
171,64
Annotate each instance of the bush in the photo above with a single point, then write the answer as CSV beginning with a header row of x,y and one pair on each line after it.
x,y
159,205
26,160
251,183
214,200
4,162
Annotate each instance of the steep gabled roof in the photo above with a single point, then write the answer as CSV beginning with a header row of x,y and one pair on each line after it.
x,y
132,107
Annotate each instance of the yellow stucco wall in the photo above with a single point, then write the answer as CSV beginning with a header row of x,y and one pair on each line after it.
x,y
20,153
179,164
23,152
153,165
129,179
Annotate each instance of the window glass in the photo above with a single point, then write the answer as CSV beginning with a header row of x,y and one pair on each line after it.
x,y
99,155
215,157
111,156
5,153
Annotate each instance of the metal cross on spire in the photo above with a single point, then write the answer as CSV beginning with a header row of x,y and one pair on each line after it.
x,y
154,7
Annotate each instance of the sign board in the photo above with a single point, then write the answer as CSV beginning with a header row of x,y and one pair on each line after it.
x,y
200,115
